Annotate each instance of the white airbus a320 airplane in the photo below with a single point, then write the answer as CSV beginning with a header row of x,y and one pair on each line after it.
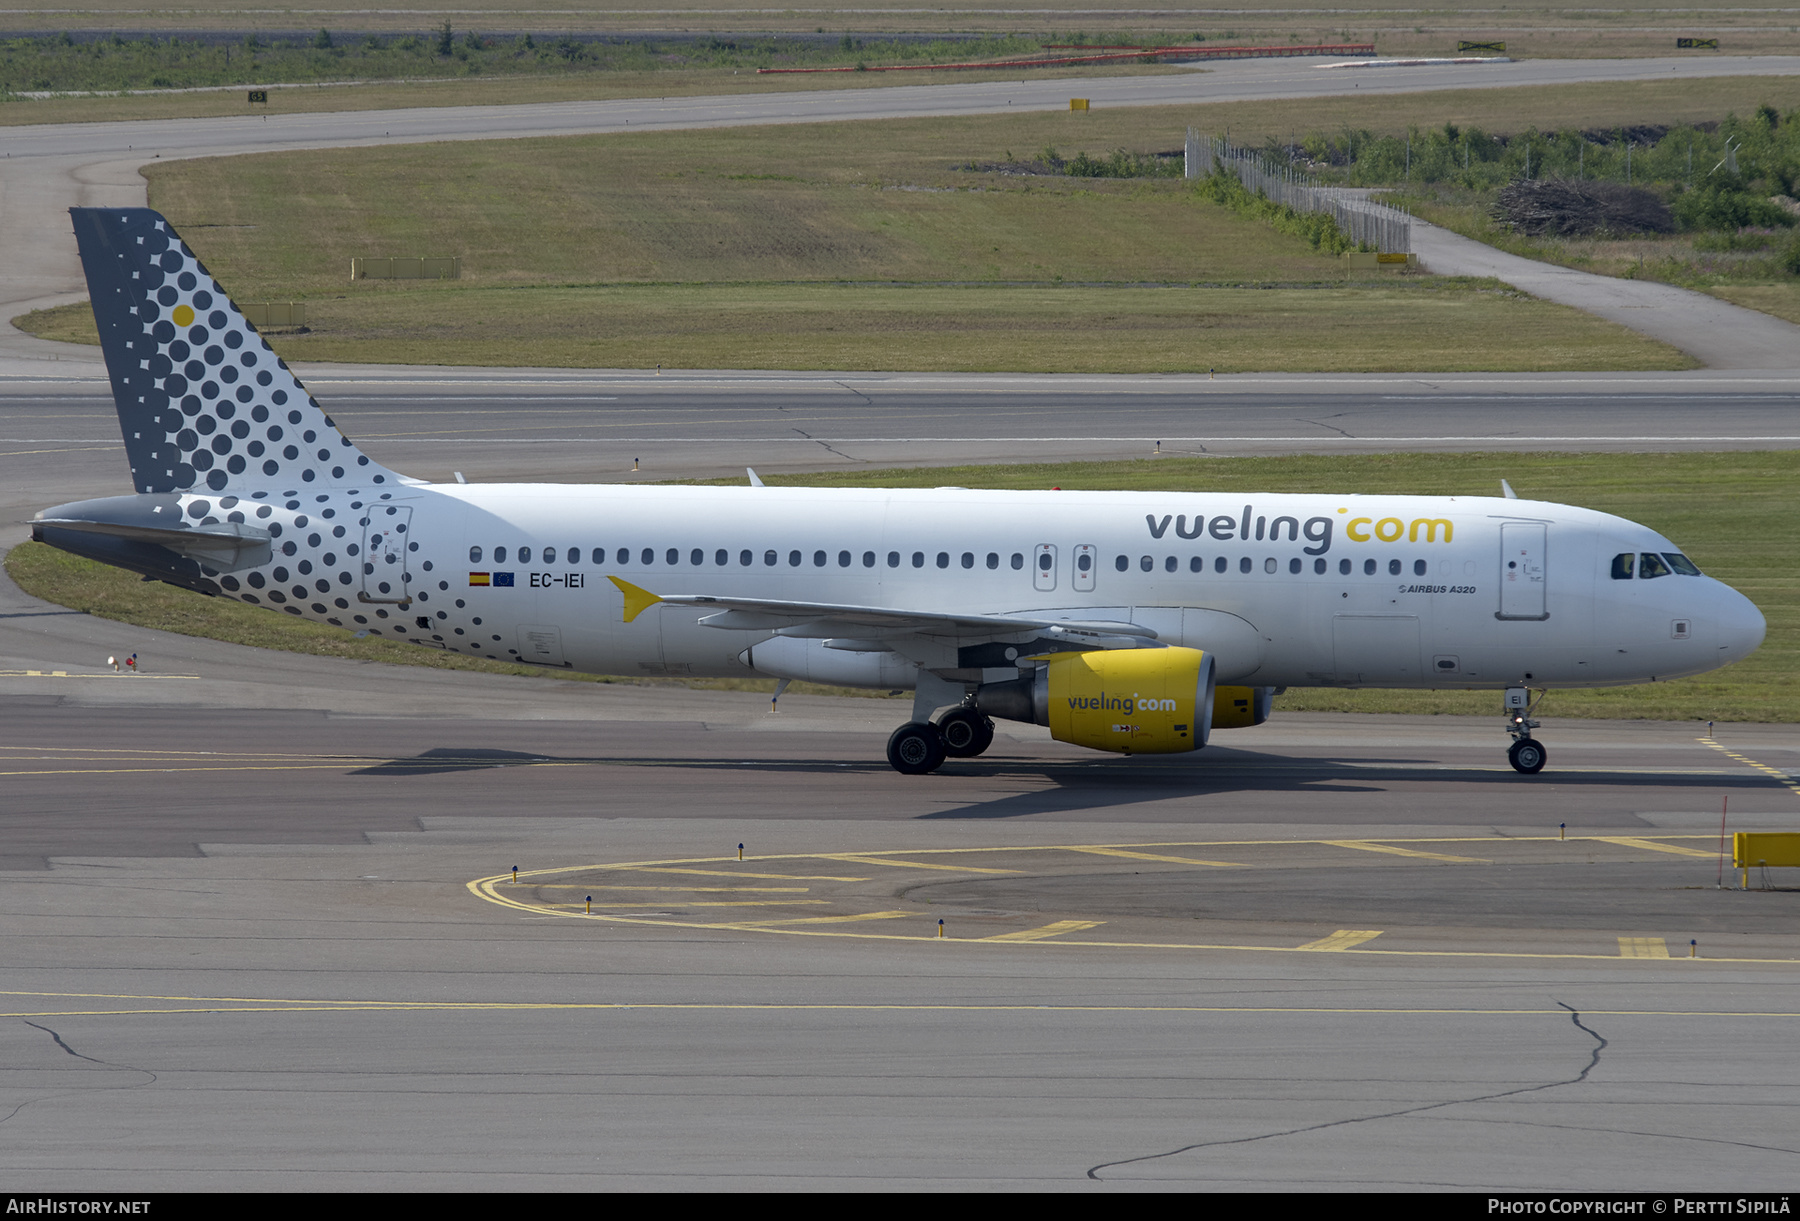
x,y
1136,622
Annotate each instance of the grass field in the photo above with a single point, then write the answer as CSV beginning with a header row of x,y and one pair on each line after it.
x,y
718,229
1731,512
1382,328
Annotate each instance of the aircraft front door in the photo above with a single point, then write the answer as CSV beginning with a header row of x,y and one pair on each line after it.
x,y
385,547
1523,571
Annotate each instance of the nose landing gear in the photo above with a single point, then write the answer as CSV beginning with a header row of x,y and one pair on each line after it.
x,y
1527,754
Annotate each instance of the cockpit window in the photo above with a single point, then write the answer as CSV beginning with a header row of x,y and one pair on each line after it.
x,y
1680,563
1622,566
1652,566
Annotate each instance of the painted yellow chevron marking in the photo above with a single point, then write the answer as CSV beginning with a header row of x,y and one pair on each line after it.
x,y
1631,841
637,601
685,890
850,858
670,905
734,873
1151,856
1343,939
859,916
1049,930
1643,947
1774,773
1363,845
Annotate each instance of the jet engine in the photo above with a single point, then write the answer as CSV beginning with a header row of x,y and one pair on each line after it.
x,y
1134,701
1241,707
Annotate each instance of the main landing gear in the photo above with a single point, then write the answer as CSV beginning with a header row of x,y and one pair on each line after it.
x,y
1526,754
919,747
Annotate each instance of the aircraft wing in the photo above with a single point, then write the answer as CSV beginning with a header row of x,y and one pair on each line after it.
x,y
828,619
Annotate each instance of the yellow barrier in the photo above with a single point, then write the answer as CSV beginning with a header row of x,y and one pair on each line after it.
x,y
1078,103
1368,260
406,269
276,313
1752,848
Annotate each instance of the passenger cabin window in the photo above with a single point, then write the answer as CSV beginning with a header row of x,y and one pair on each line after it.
x,y
474,555
1622,566
1650,566
499,555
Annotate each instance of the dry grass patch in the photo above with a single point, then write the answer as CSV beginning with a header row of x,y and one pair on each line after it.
x,y
1384,328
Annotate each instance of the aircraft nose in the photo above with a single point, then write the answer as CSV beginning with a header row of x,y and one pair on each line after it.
x,y
1741,625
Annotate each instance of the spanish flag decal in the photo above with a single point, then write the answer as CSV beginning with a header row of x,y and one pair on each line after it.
x,y
478,578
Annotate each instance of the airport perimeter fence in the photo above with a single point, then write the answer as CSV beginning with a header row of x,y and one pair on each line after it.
x,y
1386,228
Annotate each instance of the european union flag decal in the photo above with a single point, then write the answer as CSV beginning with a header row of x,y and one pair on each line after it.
x,y
503,578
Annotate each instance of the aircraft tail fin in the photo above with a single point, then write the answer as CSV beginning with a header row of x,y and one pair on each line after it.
x,y
203,401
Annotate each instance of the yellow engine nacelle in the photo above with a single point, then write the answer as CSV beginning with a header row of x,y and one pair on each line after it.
x,y
1241,707
1135,701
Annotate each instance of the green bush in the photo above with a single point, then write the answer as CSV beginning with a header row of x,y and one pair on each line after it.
x,y
1318,228
1725,204
1790,258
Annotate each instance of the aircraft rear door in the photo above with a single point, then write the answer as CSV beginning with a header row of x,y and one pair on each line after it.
x,y
386,533
1523,571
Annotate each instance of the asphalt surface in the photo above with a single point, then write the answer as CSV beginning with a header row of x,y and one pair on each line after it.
x,y
260,933
248,944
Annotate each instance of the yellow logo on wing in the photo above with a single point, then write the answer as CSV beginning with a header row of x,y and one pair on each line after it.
x,y
637,601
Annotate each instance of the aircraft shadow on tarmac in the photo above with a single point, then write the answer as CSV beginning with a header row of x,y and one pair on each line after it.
x,y
1071,785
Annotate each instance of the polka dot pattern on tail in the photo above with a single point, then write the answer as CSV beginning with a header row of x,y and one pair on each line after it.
x,y
204,402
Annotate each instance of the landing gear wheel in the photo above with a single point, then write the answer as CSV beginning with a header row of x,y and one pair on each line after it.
x,y
916,749
966,733
1527,755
